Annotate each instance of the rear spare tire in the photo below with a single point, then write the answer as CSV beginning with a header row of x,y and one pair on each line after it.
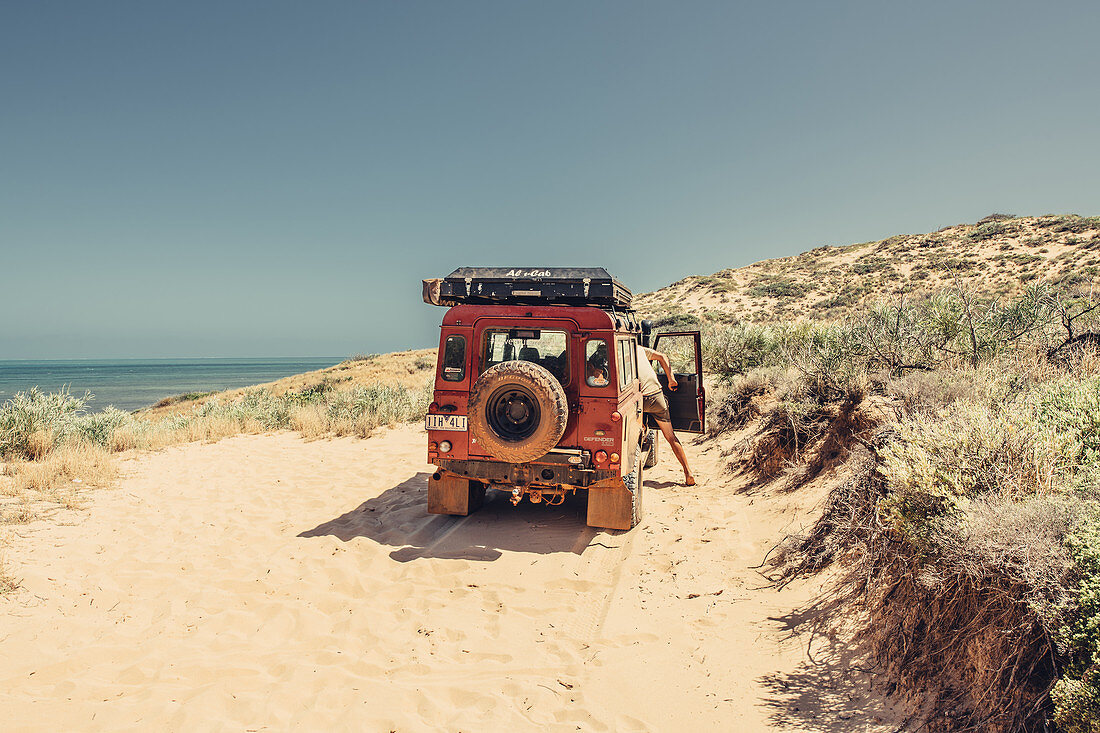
x,y
517,411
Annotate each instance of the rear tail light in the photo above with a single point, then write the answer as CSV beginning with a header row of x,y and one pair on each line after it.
x,y
433,446
601,456
614,457
616,417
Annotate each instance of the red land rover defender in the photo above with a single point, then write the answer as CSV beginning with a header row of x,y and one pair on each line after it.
x,y
537,391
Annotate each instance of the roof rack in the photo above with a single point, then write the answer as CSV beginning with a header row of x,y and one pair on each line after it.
x,y
528,286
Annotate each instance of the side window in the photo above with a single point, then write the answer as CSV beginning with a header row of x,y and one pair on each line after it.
x,y
626,362
454,359
596,367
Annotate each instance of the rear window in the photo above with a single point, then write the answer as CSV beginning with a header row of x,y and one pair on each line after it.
x,y
454,359
548,349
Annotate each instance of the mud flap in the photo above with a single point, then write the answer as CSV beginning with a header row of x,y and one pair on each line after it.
x,y
610,507
448,494
617,504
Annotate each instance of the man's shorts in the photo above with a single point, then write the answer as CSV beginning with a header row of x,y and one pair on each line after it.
x,y
657,406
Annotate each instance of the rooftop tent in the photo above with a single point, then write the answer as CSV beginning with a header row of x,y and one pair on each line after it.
x,y
528,286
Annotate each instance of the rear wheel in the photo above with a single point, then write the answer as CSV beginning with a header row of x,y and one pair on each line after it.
x,y
633,483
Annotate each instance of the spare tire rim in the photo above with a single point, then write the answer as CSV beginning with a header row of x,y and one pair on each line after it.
x,y
513,413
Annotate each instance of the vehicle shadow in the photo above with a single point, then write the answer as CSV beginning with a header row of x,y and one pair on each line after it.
x,y
399,518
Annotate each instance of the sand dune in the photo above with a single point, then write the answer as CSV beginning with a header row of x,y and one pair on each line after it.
x,y
267,583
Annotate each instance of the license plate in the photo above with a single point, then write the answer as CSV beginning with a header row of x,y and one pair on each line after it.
x,y
445,422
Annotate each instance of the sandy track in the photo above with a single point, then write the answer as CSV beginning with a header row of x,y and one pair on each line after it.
x,y
264,582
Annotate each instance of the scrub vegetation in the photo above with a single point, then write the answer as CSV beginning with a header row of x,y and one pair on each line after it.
x,y
996,256
962,433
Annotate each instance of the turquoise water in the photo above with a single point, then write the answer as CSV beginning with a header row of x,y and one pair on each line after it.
x,y
132,383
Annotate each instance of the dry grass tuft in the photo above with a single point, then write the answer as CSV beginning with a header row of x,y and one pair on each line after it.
x,y
83,465
39,443
310,422
8,582
19,514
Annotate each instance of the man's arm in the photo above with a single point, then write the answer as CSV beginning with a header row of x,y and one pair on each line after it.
x,y
663,361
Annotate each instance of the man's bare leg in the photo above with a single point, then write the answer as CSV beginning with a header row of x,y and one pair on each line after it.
x,y
674,443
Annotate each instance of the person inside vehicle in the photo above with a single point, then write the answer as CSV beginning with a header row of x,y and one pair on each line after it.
x,y
596,367
655,404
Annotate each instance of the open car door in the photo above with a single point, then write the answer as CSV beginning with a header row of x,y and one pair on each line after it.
x,y
686,403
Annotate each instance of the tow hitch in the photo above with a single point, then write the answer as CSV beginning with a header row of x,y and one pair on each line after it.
x,y
551,496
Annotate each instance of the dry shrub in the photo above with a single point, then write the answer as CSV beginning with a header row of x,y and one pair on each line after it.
x,y
123,439
39,443
251,425
207,428
18,514
851,425
1080,355
973,655
310,422
809,436
82,464
342,426
365,425
739,405
785,432
959,625
928,392
8,582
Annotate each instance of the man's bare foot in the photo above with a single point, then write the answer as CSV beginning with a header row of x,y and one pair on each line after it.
x,y
689,481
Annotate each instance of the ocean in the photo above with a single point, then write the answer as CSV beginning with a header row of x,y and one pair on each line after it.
x,y
132,383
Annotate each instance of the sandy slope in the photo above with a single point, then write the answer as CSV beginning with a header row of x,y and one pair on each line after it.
x,y
266,583
988,259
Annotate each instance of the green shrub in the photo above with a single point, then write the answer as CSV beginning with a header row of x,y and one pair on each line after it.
x,y
731,350
870,263
99,427
1070,223
1076,695
34,412
770,286
989,230
674,321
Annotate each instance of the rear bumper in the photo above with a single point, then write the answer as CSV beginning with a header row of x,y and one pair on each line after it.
x,y
550,470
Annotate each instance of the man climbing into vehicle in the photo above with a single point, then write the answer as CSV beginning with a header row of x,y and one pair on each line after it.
x,y
655,404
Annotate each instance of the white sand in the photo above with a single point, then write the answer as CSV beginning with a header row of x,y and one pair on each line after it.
x,y
267,583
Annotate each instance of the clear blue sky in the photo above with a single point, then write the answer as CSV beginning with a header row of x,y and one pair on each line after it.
x,y
275,178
